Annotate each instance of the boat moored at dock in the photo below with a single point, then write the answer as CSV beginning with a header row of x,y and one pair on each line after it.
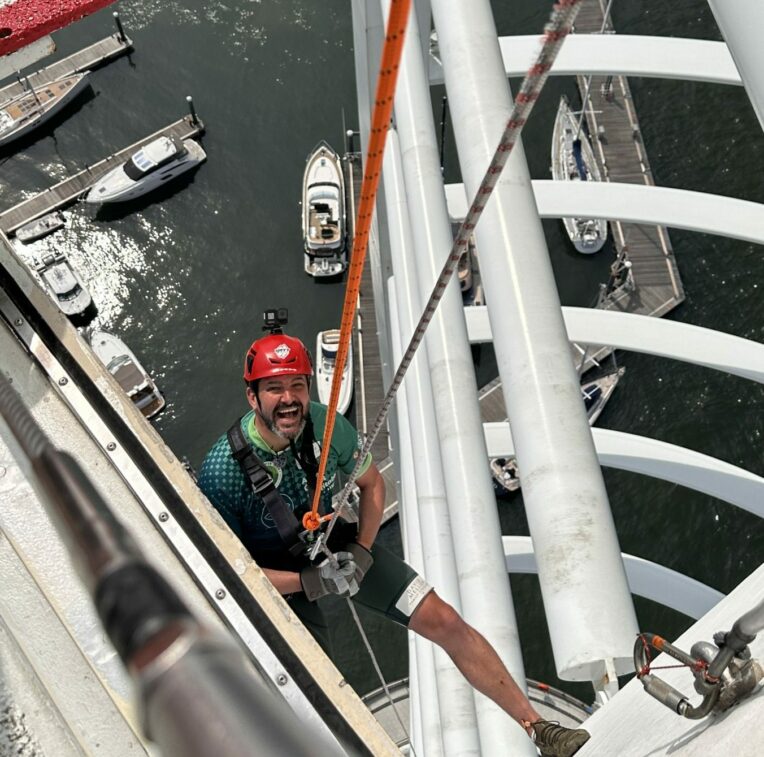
x,y
64,284
323,213
41,227
150,167
33,107
327,345
573,160
127,369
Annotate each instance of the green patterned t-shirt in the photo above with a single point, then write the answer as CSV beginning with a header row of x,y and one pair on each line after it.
x,y
223,483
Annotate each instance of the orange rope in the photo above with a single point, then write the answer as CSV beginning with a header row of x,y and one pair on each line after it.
x,y
383,108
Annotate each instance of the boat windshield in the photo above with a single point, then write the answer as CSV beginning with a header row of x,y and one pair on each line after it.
x,y
141,164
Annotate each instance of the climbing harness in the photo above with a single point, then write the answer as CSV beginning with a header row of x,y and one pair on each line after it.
x,y
262,484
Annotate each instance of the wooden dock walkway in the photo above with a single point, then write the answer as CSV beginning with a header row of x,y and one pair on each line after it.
x,y
367,364
652,286
84,60
69,190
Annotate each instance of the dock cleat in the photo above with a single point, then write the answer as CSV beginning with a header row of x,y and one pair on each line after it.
x,y
554,740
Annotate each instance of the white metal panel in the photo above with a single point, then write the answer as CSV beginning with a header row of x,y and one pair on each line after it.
x,y
646,579
639,454
653,336
677,208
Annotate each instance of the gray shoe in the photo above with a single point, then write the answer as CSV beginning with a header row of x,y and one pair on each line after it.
x,y
554,740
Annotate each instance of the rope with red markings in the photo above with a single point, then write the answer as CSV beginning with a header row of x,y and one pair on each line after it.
x,y
383,110
557,28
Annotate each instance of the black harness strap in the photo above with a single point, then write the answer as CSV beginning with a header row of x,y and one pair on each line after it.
x,y
262,484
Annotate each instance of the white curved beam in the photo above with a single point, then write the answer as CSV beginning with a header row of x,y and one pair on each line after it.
x,y
616,449
653,336
646,579
636,203
630,55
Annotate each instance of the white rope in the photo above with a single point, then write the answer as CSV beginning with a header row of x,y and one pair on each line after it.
x,y
379,674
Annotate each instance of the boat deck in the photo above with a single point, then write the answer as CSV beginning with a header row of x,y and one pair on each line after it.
x,y
86,59
69,190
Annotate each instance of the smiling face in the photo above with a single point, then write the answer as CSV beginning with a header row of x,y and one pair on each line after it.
x,y
281,406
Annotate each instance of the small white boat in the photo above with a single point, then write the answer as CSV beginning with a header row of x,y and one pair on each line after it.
x,y
323,213
327,345
131,375
40,227
573,160
595,394
152,166
64,284
34,107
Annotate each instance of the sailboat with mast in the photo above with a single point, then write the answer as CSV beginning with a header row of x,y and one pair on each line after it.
x,y
573,160
34,107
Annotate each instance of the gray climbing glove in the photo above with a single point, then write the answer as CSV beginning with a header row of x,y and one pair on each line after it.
x,y
327,578
363,559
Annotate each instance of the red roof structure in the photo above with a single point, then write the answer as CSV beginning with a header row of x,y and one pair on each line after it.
x,y
24,21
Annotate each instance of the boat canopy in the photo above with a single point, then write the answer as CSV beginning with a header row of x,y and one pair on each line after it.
x,y
152,156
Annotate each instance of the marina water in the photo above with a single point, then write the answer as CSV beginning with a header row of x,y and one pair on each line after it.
x,y
183,276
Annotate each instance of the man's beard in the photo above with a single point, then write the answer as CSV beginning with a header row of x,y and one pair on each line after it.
x,y
272,421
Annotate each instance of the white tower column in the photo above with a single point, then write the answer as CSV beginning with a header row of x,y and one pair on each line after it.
x,y
741,23
586,597
427,515
483,579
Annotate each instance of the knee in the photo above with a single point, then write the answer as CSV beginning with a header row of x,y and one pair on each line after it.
x,y
436,620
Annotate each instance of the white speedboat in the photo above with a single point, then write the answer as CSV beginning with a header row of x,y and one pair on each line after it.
x,y
323,213
34,107
152,166
40,227
573,160
64,284
131,375
327,345
595,394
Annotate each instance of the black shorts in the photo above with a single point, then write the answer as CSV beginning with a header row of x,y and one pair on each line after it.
x,y
391,588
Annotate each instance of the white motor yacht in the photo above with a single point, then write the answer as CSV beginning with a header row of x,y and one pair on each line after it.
x,y
573,160
152,166
327,345
34,107
64,284
323,213
126,368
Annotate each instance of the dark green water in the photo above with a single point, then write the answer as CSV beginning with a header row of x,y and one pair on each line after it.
x,y
184,277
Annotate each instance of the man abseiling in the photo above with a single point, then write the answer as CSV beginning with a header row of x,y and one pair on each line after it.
x,y
280,437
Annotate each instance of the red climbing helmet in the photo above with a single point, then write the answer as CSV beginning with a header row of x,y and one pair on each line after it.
x,y
277,355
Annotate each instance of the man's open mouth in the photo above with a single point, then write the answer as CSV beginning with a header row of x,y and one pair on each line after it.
x,y
289,413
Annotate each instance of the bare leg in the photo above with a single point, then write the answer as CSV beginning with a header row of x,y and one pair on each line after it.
x,y
477,660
